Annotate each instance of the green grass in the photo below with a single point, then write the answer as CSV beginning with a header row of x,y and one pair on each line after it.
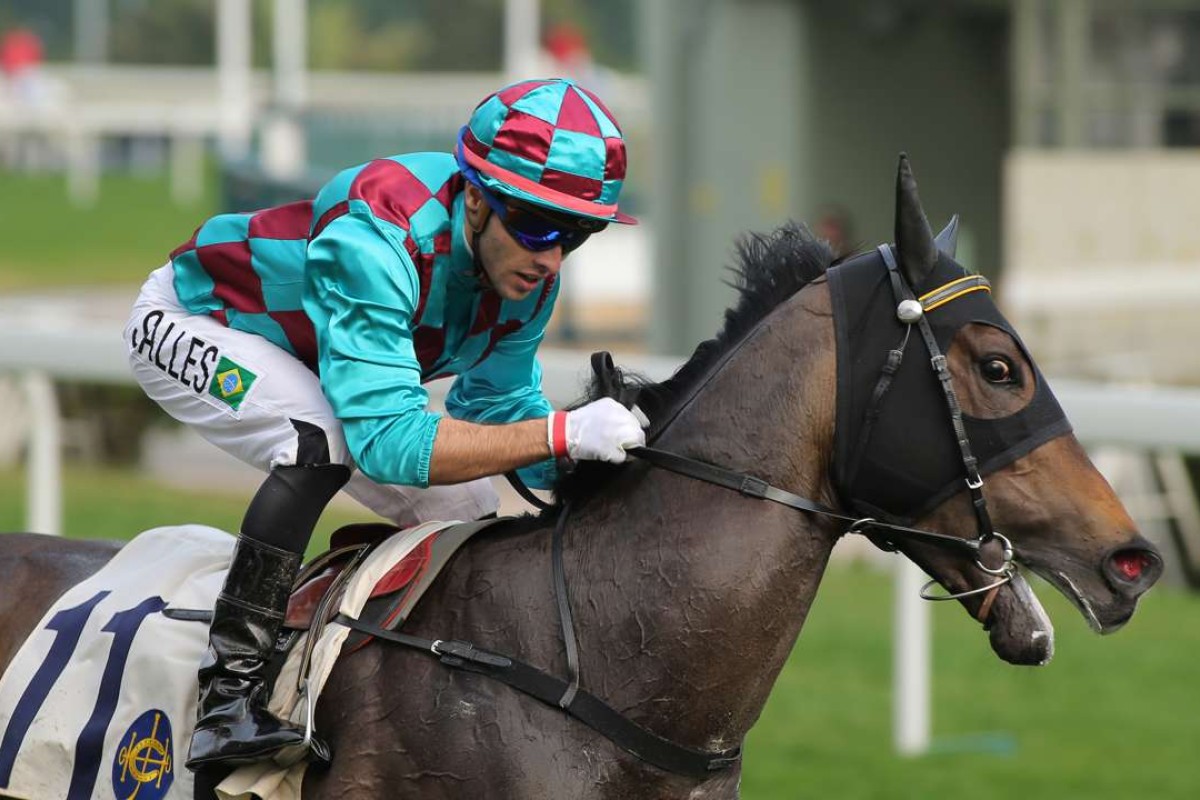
x,y
103,503
47,242
1110,717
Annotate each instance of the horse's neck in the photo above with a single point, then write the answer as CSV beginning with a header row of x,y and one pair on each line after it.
x,y
695,595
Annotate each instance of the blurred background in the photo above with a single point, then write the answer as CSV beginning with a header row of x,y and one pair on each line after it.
x,y
1065,132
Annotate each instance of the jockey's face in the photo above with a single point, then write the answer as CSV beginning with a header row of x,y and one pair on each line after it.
x,y
512,270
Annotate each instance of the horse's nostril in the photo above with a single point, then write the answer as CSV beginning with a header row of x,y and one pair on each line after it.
x,y
1131,565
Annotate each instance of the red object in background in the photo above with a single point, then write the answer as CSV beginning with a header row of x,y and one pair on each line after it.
x,y
567,44
20,49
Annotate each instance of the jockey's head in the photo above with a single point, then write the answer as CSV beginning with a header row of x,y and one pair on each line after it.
x,y
546,159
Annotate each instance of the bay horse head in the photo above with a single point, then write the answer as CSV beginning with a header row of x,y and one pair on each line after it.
x,y
1042,494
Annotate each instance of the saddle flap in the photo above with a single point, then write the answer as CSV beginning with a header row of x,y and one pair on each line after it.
x,y
398,591
305,599
405,570
307,596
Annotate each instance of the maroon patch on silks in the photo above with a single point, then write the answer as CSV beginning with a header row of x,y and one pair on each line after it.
x,y
600,104
498,333
298,329
514,325
290,221
525,135
335,211
487,314
441,242
406,570
474,145
574,185
512,94
576,115
428,343
546,287
391,190
190,244
220,316
449,190
236,284
614,159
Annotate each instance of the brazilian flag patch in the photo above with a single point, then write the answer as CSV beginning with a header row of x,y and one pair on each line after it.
x,y
231,383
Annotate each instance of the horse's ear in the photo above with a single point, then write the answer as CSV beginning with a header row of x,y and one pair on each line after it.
x,y
947,240
915,247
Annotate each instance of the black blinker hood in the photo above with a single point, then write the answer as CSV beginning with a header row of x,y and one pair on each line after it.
x,y
911,462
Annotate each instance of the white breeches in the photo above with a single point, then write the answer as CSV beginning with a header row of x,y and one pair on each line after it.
x,y
272,397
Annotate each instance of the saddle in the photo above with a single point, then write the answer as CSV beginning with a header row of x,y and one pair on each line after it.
x,y
318,587
317,578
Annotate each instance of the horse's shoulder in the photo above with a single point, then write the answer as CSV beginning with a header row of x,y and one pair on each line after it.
x,y
79,557
36,565
37,570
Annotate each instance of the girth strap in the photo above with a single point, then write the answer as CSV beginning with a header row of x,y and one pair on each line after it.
x,y
584,706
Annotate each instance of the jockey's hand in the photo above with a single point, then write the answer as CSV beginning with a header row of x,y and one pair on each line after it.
x,y
601,430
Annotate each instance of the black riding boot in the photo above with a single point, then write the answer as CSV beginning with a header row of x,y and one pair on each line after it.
x,y
234,726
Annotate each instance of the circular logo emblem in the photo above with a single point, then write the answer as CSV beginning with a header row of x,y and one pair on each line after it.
x,y
145,765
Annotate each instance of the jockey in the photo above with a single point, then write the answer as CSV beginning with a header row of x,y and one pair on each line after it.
x,y
297,338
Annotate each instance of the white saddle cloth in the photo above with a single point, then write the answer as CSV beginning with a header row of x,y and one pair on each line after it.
x,y
100,701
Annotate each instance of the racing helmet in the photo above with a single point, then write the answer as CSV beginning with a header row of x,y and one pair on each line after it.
x,y
549,143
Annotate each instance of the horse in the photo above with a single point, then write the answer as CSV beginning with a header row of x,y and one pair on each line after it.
x,y
688,588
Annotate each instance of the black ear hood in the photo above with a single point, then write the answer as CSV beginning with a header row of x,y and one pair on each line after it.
x,y
910,461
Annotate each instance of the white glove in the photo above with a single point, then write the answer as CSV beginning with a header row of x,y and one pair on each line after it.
x,y
602,430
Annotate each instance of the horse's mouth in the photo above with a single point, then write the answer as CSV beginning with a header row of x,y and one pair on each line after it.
x,y
1102,620
1019,629
1105,593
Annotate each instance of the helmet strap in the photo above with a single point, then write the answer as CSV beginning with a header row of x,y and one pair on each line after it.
x,y
476,259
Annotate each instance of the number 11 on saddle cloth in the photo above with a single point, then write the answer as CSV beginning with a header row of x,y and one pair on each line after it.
x,y
109,681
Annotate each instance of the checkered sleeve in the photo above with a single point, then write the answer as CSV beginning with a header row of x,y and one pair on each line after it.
x,y
507,387
360,291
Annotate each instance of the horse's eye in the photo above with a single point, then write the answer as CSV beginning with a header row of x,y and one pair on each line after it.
x,y
996,370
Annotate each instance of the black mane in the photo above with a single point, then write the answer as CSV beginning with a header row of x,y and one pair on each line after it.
x,y
770,268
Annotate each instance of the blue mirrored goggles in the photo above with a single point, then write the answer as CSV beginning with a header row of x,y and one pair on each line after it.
x,y
539,229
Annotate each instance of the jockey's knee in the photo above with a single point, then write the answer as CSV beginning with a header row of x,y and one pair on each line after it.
x,y
289,502
316,443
